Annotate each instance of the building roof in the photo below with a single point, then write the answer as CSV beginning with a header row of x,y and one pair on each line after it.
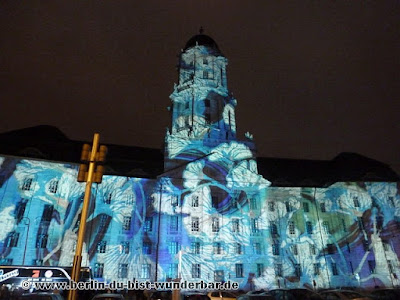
x,y
203,40
49,143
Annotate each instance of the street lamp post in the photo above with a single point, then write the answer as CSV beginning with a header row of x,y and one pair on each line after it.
x,y
89,175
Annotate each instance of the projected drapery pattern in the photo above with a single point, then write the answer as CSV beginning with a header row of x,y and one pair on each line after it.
x,y
201,227
210,216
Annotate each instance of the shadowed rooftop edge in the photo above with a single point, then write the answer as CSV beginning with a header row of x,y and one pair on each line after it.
x,y
50,143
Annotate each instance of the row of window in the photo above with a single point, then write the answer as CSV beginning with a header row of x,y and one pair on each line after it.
x,y
334,268
27,184
13,238
53,187
174,247
322,205
215,225
219,274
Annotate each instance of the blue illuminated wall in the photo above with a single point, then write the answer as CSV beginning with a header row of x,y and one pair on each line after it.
x,y
201,228
210,216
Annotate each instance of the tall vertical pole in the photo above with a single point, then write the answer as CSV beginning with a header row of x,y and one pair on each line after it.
x,y
76,268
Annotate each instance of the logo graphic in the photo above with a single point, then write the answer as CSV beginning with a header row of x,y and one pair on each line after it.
x,y
13,273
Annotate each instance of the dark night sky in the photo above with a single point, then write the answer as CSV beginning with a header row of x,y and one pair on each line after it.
x,y
312,79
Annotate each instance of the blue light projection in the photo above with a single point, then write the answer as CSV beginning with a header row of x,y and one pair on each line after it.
x,y
210,216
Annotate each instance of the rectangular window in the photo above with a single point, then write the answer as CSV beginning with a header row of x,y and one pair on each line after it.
x,y
148,224
385,245
306,207
291,227
195,201
173,270
98,270
371,266
331,248
260,270
129,200
47,213
215,224
239,270
126,225
41,241
278,270
390,266
312,249
6,261
205,61
53,186
145,271
173,247
219,276
297,270
103,220
27,184
271,206
322,206
12,239
256,248
317,267
334,269
173,223
101,247
174,200
74,245
288,206
309,227
379,222
205,74
356,201
146,247
275,248
325,225
195,224
366,245
340,203
235,225
20,209
108,198
254,226
195,247
344,225
253,203
207,119
273,228
238,248
217,248
391,201
124,247
360,223
294,250
196,271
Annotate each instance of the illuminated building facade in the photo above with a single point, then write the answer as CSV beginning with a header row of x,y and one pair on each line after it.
x,y
209,215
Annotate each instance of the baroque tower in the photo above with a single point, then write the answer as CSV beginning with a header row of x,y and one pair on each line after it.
x,y
203,109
